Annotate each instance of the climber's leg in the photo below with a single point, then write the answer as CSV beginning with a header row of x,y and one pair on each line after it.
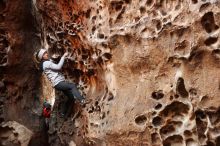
x,y
68,105
65,88
75,92
70,90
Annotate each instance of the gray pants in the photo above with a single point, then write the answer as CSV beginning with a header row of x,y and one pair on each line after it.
x,y
69,89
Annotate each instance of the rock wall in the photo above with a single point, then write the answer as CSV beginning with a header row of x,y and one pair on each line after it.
x,y
19,78
12,133
149,67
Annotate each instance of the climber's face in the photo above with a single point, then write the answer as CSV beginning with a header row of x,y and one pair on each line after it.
x,y
45,56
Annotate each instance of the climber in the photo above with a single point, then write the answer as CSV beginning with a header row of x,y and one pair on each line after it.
x,y
46,110
51,70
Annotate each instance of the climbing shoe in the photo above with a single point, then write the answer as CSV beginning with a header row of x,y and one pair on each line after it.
x,y
83,102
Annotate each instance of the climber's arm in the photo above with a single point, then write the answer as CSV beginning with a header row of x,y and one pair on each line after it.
x,y
54,66
57,66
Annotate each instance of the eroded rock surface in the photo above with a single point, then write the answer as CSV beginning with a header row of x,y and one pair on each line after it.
x,y
149,67
13,133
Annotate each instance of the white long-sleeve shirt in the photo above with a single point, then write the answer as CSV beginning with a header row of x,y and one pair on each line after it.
x,y
52,71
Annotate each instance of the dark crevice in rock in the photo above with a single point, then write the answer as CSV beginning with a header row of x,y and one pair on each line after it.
x,y
208,22
175,108
204,6
157,121
211,40
173,140
194,1
157,95
158,106
180,88
141,120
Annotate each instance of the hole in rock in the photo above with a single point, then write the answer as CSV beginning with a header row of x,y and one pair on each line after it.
x,y
88,12
110,96
142,10
103,115
193,91
158,106
171,97
141,120
178,6
94,18
120,15
216,51
91,110
187,133
158,25
175,140
210,143
101,36
157,94
176,96
90,72
180,32
164,20
208,22
180,88
155,138
157,121
217,141
214,116
201,127
182,45
154,113
194,1
149,2
107,55
175,108
196,55
167,129
210,41
104,45
128,1
117,5
191,142
99,60
200,114
93,29
5,132
204,6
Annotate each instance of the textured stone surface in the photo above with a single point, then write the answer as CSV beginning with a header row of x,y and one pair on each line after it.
x,y
150,67
13,133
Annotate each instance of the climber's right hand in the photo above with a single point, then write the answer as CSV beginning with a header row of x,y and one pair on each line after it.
x,y
65,54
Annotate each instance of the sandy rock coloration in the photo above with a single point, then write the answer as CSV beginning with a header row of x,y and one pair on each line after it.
x,y
12,133
155,68
151,69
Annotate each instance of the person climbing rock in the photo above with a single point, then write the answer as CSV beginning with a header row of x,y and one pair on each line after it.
x,y
52,71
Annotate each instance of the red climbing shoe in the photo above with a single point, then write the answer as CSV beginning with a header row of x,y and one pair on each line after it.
x,y
46,112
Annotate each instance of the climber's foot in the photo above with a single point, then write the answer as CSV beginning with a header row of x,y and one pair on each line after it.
x,y
62,115
84,101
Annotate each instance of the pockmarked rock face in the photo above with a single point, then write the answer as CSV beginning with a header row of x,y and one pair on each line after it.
x,y
13,133
150,68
